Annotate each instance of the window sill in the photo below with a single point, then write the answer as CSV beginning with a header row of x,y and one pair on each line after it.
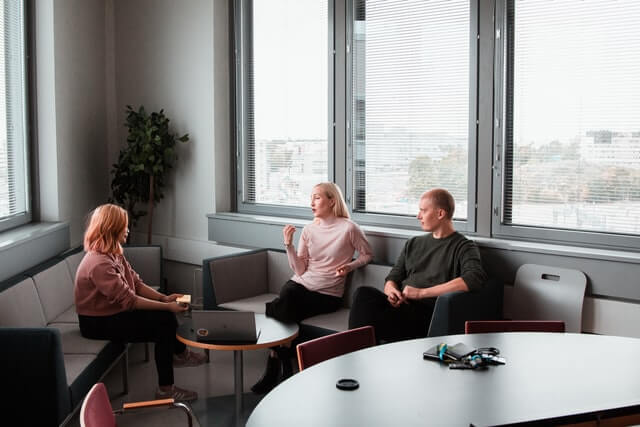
x,y
28,245
486,242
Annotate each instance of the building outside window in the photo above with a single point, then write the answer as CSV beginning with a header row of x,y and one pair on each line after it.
x,y
285,87
383,97
572,117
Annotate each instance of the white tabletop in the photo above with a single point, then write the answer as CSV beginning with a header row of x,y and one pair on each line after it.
x,y
546,376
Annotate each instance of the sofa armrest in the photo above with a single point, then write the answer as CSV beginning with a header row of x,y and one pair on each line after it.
x,y
33,373
146,260
455,308
233,277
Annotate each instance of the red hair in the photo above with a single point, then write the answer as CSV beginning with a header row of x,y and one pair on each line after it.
x,y
107,228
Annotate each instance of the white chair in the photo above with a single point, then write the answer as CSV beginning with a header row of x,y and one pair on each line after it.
x,y
549,293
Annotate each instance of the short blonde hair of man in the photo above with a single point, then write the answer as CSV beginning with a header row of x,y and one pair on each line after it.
x,y
442,199
333,192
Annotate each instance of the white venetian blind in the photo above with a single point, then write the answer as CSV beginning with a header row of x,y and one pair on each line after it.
x,y
13,154
287,102
410,91
573,115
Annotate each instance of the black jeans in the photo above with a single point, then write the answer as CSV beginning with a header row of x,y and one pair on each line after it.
x,y
370,307
158,327
296,303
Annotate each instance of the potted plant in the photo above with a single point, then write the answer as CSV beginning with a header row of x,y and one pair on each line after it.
x,y
139,175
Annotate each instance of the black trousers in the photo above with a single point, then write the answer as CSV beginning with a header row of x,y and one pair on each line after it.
x,y
296,303
371,307
158,327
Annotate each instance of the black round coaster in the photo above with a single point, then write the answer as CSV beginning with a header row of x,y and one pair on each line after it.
x,y
347,384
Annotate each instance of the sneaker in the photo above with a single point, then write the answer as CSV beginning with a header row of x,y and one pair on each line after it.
x,y
178,394
188,359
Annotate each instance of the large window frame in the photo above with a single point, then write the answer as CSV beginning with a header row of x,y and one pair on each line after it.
x,y
242,53
502,167
21,121
409,221
488,146
339,96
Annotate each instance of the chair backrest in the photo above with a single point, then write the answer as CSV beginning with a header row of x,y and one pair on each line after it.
x,y
147,262
487,326
96,408
543,293
330,346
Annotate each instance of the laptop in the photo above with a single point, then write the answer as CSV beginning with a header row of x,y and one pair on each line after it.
x,y
225,326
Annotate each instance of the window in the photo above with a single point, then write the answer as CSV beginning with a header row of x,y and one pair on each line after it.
x,y
410,92
408,113
14,196
571,120
284,101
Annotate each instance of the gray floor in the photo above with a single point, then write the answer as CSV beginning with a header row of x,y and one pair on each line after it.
x,y
210,380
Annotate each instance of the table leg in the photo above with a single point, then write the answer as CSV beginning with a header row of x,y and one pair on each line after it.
x,y
238,388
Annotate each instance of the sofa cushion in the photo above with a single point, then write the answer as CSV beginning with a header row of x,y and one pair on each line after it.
x,y
255,304
278,270
73,261
336,321
74,364
370,275
248,281
74,343
86,370
55,289
69,316
20,306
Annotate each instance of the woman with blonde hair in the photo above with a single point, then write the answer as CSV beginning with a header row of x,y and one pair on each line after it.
x,y
320,266
113,303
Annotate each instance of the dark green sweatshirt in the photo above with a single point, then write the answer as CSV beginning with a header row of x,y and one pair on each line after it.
x,y
426,261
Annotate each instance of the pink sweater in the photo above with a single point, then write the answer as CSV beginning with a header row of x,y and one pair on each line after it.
x,y
105,285
324,248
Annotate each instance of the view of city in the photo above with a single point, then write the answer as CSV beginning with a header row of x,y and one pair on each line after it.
x,y
575,139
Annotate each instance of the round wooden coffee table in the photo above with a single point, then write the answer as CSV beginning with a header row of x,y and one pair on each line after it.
x,y
271,333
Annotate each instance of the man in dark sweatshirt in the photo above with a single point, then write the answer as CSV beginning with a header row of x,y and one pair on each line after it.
x,y
430,265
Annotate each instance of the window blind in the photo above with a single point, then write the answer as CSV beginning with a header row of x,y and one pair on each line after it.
x,y
13,149
287,103
573,115
410,98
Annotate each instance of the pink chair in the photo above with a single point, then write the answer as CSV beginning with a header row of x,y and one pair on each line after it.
x,y
330,346
96,408
487,326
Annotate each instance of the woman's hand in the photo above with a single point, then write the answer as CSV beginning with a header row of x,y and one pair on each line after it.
x,y
169,298
175,307
287,234
343,270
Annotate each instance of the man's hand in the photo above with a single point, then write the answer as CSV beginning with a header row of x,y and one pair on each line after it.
x,y
394,296
411,293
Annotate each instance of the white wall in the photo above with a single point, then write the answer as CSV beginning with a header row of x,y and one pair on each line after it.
x,y
173,55
70,56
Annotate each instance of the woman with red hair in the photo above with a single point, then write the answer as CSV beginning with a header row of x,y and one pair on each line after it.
x,y
113,303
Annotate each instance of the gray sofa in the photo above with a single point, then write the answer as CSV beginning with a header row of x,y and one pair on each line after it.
x,y
47,366
245,281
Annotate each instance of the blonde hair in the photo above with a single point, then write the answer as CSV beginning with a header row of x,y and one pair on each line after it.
x,y
107,227
332,192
